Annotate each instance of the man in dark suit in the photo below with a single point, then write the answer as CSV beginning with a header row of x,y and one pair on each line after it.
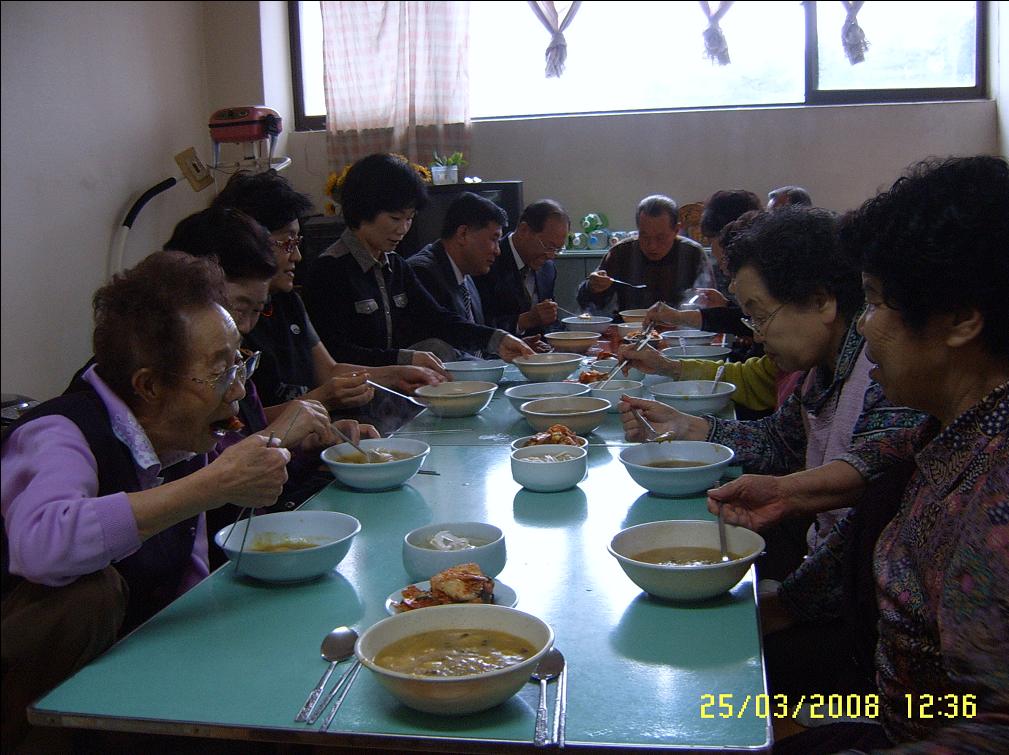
x,y
518,291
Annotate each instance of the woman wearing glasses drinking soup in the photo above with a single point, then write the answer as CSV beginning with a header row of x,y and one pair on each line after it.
x,y
105,487
802,297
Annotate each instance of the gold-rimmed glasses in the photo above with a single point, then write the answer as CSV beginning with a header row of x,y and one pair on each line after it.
x,y
288,245
759,324
240,371
554,250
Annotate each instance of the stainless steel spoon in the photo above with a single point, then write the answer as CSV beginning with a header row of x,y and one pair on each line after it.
x,y
721,534
377,456
411,399
718,377
629,285
655,435
337,646
549,668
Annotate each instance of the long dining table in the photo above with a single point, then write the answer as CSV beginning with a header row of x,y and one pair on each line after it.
x,y
235,658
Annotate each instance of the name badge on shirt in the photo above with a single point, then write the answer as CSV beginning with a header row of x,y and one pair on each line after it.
x,y
399,300
366,306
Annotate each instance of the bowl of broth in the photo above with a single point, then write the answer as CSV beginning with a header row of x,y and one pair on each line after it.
x,y
578,341
696,352
519,394
436,547
355,471
676,467
694,396
595,323
455,659
681,559
549,468
457,398
485,370
545,368
582,414
289,546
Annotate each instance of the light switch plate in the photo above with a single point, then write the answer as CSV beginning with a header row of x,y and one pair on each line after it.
x,y
193,169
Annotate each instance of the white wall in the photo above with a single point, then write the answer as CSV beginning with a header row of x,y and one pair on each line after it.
x,y
97,99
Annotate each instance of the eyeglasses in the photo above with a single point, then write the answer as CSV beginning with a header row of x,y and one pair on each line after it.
x,y
759,324
240,371
289,245
555,250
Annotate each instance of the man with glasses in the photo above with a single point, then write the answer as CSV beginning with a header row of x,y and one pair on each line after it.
x,y
666,263
518,292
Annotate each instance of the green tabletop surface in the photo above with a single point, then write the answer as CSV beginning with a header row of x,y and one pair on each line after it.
x,y
236,658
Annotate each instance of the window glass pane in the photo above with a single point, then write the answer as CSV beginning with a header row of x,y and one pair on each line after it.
x,y
633,56
313,88
911,45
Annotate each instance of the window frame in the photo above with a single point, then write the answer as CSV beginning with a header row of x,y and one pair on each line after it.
x,y
813,94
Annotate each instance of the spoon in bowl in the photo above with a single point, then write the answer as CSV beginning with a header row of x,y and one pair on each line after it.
x,y
375,456
654,435
718,377
337,646
721,534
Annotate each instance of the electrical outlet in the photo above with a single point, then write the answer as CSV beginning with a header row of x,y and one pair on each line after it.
x,y
193,169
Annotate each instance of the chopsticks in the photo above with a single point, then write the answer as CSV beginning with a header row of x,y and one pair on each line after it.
x,y
615,370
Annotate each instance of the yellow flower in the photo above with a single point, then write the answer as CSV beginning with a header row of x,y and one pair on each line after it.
x,y
334,181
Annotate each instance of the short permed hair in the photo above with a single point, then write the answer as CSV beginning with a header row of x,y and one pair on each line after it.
x,y
239,244
380,183
725,206
539,212
268,198
796,253
795,196
472,211
658,204
937,241
139,317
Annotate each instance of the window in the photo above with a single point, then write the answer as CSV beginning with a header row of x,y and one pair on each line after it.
x,y
632,56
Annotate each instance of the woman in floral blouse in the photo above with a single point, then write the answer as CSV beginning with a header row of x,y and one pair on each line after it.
x,y
936,325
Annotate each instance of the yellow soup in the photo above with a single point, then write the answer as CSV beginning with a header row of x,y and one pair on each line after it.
x,y
356,458
270,544
683,556
454,652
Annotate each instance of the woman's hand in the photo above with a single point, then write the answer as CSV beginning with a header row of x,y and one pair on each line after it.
x,y
752,501
430,361
304,423
710,297
662,315
599,281
512,347
344,391
355,430
663,418
405,377
250,473
648,360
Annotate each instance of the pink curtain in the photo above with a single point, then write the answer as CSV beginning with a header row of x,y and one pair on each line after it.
x,y
397,79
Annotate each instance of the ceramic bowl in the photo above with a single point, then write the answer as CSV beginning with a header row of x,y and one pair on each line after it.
x,y
694,396
458,398
521,442
696,352
523,392
676,481
382,476
594,323
548,476
421,559
633,315
332,530
682,582
625,329
455,695
484,370
689,337
614,389
577,341
582,414
541,368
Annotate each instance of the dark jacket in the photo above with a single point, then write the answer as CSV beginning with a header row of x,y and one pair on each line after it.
x,y
434,270
505,297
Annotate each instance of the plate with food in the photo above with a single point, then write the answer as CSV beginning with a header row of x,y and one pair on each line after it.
x,y
555,435
464,583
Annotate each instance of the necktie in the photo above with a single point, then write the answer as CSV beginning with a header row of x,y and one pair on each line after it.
x,y
529,279
467,301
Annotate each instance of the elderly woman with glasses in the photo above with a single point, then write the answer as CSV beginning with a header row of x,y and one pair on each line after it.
x,y
105,487
802,297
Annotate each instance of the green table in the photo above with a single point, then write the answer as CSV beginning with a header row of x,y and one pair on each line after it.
x,y
236,658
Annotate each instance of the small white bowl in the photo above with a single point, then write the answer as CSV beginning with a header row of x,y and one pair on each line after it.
x,y
689,337
694,396
617,388
676,481
382,476
540,368
455,695
582,414
633,315
485,370
626,329
457,398
577,341
335,532
521,442
593,323
549,476
696,352
421,560
523,392
682,582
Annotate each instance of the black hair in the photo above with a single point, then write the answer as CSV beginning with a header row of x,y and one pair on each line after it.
x,y
795,196
239,244
658,204
723,207
796,253
938,241
539,212
472,211
380,183
268,198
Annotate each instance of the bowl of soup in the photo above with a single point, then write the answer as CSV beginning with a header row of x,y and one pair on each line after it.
x,y
289,546
401,459
689,337
681,559
455,659
523,392
696,352
694,396
676,467
633,315
483,370
595,323
577,341
582,414
549,468
457,398
436,547
545,368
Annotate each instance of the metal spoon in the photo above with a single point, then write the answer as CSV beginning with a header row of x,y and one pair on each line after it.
x,y
411,399
629,285
718,377
656,436
337,646
549,667
377,456
721,534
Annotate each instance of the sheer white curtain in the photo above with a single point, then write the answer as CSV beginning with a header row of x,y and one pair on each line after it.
x,y
397,78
